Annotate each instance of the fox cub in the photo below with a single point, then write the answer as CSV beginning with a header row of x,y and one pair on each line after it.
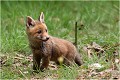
x,y
47,48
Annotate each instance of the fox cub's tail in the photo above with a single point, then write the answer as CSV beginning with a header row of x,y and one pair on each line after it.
x,y
78,59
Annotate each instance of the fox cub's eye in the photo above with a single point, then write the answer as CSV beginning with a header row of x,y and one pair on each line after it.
x,y
39,31
46,30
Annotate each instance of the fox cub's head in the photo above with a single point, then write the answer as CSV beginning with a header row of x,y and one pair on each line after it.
x,y
36,29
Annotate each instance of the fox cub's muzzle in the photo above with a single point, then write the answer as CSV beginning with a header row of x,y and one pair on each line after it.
x,y
43,38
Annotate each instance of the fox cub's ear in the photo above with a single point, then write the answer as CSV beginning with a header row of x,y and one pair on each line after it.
x,y
41,17
30,22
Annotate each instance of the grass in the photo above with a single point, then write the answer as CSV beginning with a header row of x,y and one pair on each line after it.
x,y
100,22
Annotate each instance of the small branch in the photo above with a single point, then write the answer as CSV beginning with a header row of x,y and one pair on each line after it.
x,y
76,34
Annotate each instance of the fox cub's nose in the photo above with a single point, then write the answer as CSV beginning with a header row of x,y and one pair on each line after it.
x,y
45,38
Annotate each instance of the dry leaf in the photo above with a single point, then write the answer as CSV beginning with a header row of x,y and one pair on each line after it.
x,y
95,66
93,48
52,66
3,60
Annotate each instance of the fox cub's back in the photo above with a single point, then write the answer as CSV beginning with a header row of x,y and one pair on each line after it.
x,y
62,47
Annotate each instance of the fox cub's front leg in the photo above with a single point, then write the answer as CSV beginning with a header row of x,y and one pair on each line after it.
x,y
36,60
45,62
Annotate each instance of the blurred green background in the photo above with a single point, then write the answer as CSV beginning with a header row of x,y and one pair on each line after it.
x,y
99,19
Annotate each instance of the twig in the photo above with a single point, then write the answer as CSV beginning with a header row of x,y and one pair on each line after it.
x,y
76,34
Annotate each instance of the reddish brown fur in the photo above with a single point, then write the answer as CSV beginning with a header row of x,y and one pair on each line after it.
x,y
49,48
